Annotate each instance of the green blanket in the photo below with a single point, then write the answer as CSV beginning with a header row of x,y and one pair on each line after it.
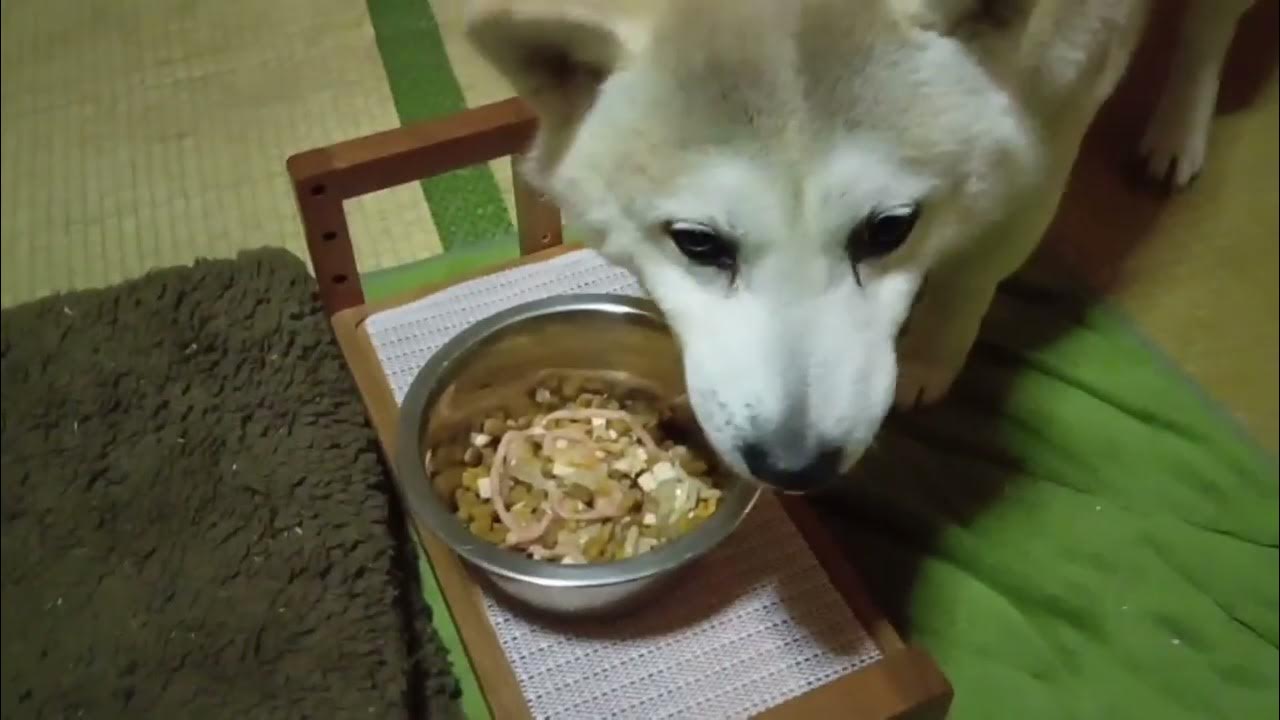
x,y
1076,533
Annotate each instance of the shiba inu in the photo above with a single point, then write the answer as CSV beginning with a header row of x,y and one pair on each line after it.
x,y
783,176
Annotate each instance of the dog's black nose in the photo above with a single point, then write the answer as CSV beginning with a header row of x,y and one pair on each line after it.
x,y
819,472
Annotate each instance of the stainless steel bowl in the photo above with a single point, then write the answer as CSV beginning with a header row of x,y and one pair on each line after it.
x,y
486,361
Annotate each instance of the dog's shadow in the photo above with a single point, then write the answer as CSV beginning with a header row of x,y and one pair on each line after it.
x,y
943,469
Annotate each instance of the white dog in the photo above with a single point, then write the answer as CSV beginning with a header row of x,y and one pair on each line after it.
x,y
782,175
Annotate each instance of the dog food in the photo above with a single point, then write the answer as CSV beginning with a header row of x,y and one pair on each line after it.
x,y
590,476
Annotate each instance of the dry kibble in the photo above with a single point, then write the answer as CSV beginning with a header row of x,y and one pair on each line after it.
x,y
450,455
572,386
447,481
579,493
519,494
465,499
472,456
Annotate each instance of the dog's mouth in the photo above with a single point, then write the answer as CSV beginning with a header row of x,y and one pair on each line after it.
x,y
811,491
796,493
806,493
683,420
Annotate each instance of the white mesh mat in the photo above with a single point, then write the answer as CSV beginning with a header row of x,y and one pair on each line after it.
x,y
757,623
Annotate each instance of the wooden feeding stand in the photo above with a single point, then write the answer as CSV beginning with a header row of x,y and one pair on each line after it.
x,y
903,683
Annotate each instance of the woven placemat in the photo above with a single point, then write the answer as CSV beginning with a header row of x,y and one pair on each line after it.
x,y
196,523
757,624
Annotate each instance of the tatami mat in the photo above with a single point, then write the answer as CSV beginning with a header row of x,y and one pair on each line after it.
x,y
151,132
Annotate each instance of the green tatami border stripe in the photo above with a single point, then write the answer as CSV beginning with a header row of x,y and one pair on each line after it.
x,y
466,205
400,280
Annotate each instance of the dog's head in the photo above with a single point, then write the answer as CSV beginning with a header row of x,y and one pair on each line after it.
x,y
781,175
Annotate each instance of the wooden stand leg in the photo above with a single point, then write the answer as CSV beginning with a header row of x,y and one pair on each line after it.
x,y
537,220
329,243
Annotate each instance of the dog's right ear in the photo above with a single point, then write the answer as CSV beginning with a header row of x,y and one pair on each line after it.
x,y
555,53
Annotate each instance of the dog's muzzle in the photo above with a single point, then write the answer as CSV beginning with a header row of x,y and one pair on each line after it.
x,y
821,470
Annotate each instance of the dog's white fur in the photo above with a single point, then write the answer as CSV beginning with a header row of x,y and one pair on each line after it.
x,y
782,124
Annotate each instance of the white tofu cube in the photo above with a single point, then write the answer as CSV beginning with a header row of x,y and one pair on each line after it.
x,y
665,471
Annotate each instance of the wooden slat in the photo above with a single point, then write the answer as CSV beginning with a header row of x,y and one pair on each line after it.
x,y
394,157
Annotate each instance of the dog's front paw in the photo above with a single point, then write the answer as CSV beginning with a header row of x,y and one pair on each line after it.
x,y
1173,151
923,382
1174,145
935,341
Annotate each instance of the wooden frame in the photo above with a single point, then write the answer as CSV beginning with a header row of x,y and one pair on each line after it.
x,y
324,178
905,683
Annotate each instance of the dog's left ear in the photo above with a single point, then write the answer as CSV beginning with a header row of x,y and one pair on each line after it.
x,y
555,53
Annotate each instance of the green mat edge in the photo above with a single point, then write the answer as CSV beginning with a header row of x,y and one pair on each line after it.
x,y
1109,313
1116,316
473,703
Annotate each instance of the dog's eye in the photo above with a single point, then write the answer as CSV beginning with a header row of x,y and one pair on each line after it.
x,y
703,245
882,232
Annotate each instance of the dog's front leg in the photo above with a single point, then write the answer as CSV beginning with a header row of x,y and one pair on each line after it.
x,y
1175,141
938,336
944,324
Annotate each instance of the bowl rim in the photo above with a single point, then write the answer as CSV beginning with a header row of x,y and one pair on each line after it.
x,y
423,503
